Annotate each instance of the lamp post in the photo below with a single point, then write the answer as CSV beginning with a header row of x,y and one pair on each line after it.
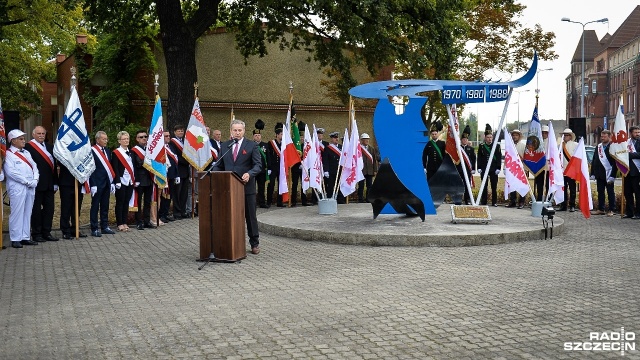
x,y
537,83
603,20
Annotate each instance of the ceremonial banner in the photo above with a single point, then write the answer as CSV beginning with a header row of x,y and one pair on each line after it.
x,y
288,157
155,158
451,147
578,169
197,146
72,147
309,159
515,178
619,141
3,135
352,171
534,158
556,178
316,171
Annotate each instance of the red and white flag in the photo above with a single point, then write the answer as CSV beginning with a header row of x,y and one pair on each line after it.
x,y
578,169
288,157
619,141
515,178
352,171
316,171
556,178
309,159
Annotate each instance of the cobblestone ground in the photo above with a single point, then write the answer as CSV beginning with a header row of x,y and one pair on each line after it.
x,y
139,295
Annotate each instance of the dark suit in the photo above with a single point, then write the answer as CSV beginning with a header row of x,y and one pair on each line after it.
x,y
43,203
172,174
261,179
485,165
144,189
182,189
67,184
600,173
249,161
273,165
123,194
432,156
100,200
632,182
471,154
330,164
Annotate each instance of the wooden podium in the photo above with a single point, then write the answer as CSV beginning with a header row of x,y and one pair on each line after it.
x,y
221,213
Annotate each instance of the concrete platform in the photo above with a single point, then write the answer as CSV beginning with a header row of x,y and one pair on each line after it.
x,y
354,225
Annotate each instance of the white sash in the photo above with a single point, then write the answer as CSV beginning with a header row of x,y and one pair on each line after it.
x,y
275,147
604,161
367,153
632,149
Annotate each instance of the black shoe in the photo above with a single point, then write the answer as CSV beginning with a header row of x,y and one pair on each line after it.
x,y
495,205
140,227
16,244
572,209
28,242
164,219
51,238
108,230
280,205
39,239
170,218
636,217
520,206
306,204
150,226
264,206
186,216
67,236
96,233
82,235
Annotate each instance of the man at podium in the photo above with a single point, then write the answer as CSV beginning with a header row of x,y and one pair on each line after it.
x,y
243,158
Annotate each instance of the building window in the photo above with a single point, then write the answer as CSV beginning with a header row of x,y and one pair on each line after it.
x,y
594,87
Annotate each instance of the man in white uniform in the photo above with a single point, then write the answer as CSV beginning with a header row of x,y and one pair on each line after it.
x,y
22,178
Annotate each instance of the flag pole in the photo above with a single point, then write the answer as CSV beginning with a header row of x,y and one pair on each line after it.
x,y
288,170
336,185
193,185
75,202
459,151
494,146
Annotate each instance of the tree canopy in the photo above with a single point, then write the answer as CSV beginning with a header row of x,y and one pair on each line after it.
x,y
31,34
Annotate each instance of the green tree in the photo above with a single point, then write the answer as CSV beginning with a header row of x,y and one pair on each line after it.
x,y
423,39
31,34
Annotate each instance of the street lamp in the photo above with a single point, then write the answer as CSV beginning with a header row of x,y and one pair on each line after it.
x,y
518,102
538,87
603,20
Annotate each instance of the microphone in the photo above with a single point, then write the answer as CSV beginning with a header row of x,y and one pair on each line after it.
x,y
235,141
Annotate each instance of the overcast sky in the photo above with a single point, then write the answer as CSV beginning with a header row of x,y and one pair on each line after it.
x,y
548,13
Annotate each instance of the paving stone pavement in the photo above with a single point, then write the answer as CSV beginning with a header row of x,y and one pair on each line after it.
x,y
139,295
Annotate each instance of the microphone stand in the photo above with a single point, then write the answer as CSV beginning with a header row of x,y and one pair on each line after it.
x,y
235,141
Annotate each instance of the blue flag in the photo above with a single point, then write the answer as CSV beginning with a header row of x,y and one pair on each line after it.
x,y
534,158
155,159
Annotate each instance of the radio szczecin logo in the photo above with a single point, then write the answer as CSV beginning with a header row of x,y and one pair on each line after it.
x,y
605,341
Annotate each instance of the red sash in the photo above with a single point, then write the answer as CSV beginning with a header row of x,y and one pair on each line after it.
x,y
275,147
105,162
214,153
46,157
136,149
17,153
174,156
125,163
366,152
177,143
335,149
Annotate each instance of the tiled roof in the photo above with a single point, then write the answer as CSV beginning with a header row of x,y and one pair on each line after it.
x,y
592,46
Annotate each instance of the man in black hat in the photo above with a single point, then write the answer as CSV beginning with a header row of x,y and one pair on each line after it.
x,y
330,164
492,166
262,177
469,159
433,152
273,165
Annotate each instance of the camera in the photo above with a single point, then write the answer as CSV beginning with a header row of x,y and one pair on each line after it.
x,y
548,211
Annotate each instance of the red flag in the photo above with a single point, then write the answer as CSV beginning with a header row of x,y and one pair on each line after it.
x,y
578,169
3,135
450,146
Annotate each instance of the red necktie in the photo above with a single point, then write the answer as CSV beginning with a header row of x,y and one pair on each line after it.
x,y
235,152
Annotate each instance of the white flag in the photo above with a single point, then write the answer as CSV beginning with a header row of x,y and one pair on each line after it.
x,y
556,178
316,171
72,146
352,171
309,159
619,141
515,178
196,146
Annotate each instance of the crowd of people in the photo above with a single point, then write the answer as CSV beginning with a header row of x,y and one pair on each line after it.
x,y
33,176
